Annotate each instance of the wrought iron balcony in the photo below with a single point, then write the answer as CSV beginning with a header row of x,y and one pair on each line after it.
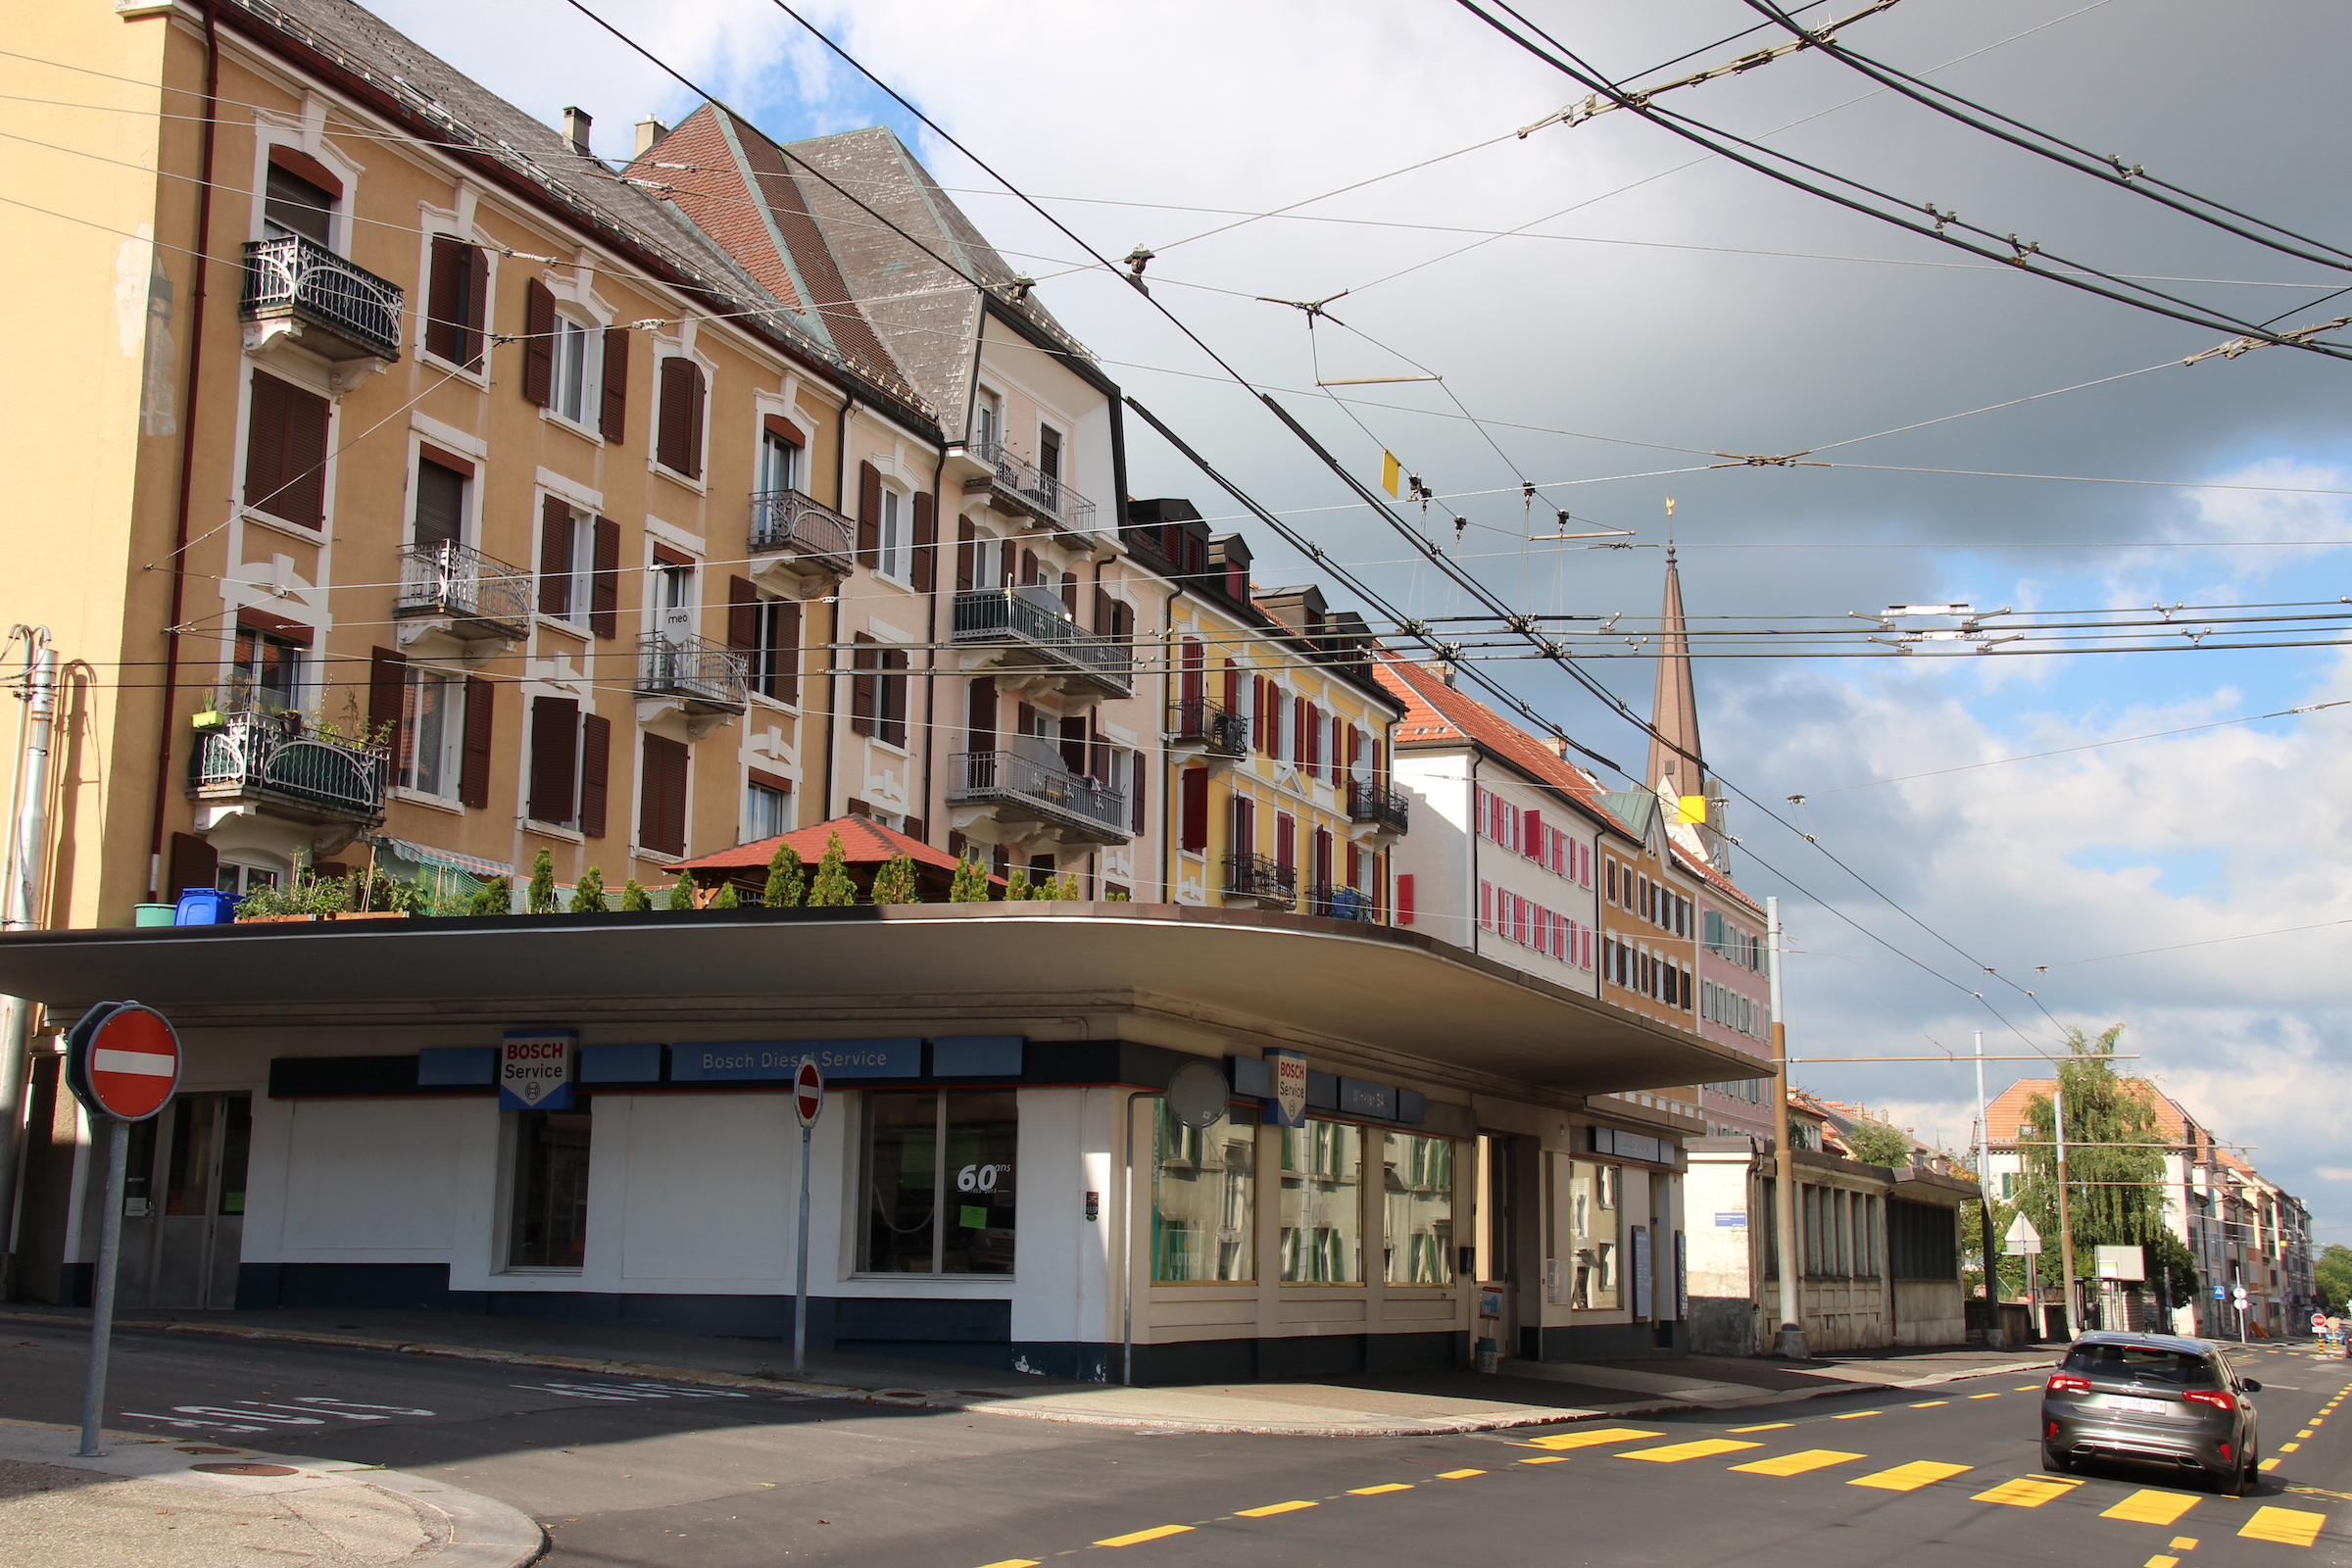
x,y
1023,486
347,312
1377,803
1030,789
266,756
1203,723
1257,876
694,671
1342,904
480,596
1034,619
788,522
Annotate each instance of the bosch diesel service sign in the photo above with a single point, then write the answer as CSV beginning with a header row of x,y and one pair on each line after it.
x,y
536,1069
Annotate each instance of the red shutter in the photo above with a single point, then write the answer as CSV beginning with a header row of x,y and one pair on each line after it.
x,y
388,690
785,687
967,553
869,514
596,772
743,615
194,863
603,582
1405,898
1355,867
863,661
926,542
538,343
1286,840
662,797
1486,904
1192,662
612,418
554,556
1233,688
555,759
445,298
1244,826
473,779
1531,835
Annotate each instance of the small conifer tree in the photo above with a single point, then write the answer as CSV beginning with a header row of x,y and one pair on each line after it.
x,y
494,896
681,891
1016,886
634,899
588,894
970,885
787,878
541,898
727,898
832,888
895,882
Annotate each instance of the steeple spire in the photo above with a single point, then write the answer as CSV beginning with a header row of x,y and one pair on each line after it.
x,y
1674,769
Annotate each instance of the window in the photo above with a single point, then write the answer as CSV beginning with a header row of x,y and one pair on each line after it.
x,y
1419,1235
1592,1236
1322,1204
894,558
1049,456
878,691
938,1169
776,650
576,353
766,812
567,548
457,302
286,452
988,421
440,505
239,878
555,760
431,745
779,463
662,795
549,1227
1203,1198
268,672
292,206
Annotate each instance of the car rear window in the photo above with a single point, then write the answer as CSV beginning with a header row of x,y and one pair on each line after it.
x,y
2144,1363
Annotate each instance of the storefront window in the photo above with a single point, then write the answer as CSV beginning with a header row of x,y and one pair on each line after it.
x,y
1203,1198
1592,1234
550,1224
939,1182
1419,1239
1322,1205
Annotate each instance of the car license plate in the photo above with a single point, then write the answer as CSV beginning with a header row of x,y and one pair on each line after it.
x,y
2136,1406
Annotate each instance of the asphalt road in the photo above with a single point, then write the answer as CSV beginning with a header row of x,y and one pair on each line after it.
x,y
666,1476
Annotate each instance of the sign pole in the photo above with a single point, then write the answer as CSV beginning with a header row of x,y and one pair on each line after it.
x,y
799,1271
2066,1227
102,1315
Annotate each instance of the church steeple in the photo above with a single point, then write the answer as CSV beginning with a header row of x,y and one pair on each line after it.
x,y
1676,771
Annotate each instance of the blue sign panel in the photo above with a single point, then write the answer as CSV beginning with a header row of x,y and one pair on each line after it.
x,y
976,1055
738,1060
457,1066
1360,1099
620,1064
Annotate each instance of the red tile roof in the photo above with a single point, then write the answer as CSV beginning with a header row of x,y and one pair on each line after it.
x,y
863,841
1435,713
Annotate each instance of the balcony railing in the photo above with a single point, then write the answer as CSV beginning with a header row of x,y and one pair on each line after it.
x,y
1201,722
478,593
298,278
788,521
266,755
1038,790
703,675
1031,617
1343,903
1029,487
1377,803
1257,876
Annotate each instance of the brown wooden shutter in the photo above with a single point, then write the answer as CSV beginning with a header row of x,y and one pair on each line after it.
x,y
1029,574
981,715
555,759
1135,797
1102,612
613,419
967,556
554,556
786,629
743,615
695,396
477,309
538,343
1069,593
473,778
1073,744
662,797
869,514
1193,810
388,690
304,498
680,442
194,863
603,582
596,772
445,298
265,441
862,685
926,542
892,715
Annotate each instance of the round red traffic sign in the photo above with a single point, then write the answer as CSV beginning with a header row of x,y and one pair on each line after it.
x,y
129,1061
808,1091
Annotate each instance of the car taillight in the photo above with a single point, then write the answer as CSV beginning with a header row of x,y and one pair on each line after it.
x,y
2067,1383
2219,1401
2227,1455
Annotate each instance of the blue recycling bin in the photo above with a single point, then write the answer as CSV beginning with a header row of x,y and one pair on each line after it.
x,y
205,907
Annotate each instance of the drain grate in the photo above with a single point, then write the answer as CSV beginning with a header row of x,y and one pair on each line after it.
x,y
247,1468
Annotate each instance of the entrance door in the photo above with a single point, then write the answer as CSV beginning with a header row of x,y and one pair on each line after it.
x,y
183,1209
1499,1244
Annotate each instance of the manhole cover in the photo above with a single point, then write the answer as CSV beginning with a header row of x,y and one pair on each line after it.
x,y
200,1449
247,1468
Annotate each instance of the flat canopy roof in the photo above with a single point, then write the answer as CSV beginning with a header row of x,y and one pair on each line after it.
x,y
1376,986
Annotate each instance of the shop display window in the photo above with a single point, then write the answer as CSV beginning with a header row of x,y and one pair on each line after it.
x,y
549,1226
1203,1198
1419,1187
939,1185
1593,1240
1322,1204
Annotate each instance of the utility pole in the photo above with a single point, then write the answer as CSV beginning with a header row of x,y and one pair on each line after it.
x,y
27,847
1791,1340
2066,1230
1992,1297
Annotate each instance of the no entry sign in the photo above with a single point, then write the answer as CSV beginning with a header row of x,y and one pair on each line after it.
x,y
808,1091
123,1061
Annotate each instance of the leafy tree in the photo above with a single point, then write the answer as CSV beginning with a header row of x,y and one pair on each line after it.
x,y
1874,1143
2115,1163
786,879
895,882
541,900
970,885
588,893
681,891
634,899
2334,1275
727,899
494,896
833,889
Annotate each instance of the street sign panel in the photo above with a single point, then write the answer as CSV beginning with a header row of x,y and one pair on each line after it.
x,y
809,1092
536,1068
2123,1263
123,1061
2022,1240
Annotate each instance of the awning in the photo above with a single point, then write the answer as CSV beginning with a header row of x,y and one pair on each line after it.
x,y
448,860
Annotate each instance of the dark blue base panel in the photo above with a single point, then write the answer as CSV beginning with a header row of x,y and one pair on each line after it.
x,y
1604,1342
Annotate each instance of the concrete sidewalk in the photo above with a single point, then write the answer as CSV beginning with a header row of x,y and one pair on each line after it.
x,y
1387,1404
150,1502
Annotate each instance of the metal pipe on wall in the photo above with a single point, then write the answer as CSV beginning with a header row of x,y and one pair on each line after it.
x,y
1790,1342
28,857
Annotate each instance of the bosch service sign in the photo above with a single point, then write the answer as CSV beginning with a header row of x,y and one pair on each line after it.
x,y
536,1068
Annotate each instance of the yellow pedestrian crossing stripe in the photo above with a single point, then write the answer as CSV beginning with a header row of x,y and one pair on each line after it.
x,y
1270,1509
1910,1477
1994,1395
1856,1415
1929,1404
2289,1447
1769,1426
1374,1491
1014,1562
2160,1560
2289,1527
1592,1439
1156,1532
1797,1464
1677,1452
1547,1459
2152,1507
2026,1491
1458,1475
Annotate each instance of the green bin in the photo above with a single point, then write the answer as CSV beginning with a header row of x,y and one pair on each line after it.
x,y
154,914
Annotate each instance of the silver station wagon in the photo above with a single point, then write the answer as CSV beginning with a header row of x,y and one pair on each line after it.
x,y
2152,1399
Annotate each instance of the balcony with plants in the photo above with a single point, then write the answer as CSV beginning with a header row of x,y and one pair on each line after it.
x,y
291,766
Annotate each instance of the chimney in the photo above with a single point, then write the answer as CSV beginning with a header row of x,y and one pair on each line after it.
x,y
648,132
575,129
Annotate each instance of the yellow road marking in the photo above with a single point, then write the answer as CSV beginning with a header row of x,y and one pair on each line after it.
x,y
1588,1439
1677,1452
2026,1388
2289,1527
2305,1433
2289,1447
2270,1464
2026,1491
2152,1507
1994,1395
1769,1426
1374,1491
1156,1532
1909,1477
2184,1543
1458,1475
1856,1415
1547,1459
1014,1562
2162,1561
1796,1464
1271,1509
1929,1404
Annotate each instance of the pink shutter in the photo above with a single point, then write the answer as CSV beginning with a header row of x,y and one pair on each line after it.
x,y
1531,827
1486,904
